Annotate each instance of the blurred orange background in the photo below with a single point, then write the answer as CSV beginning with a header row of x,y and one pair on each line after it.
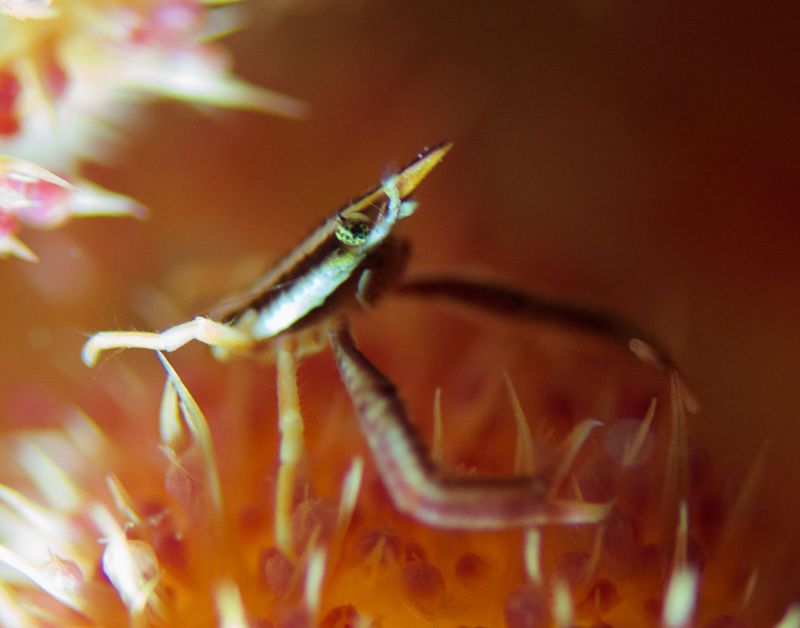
x,y
636,157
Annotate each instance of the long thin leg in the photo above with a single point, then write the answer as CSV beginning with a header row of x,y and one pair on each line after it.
x,y
514,302
418,487
290,455
205,330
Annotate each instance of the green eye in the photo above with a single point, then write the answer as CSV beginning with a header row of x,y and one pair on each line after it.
x,y
353,232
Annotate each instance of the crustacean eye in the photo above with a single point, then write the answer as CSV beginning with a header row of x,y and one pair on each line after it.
x,y
353,231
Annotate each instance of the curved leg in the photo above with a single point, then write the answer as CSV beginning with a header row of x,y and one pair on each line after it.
x,y
420,489
514,302
212,333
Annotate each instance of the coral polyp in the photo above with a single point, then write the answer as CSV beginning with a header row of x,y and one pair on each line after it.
x,y
73,79
70,83
190,526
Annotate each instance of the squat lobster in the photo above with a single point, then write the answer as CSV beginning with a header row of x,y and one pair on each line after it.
x,y
353,256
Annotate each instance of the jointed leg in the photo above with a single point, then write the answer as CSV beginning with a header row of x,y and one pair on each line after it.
x,y
419,488
290,425
514,302
205,330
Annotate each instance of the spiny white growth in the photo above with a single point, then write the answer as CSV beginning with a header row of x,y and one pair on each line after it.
x,y
736,524
680,598
32,196
86,436
173,430
749,589
563,608
201,435
681,538
524,459
590,567
60,491
676,474
43,522
791,619
131,566
12,612
58,578
230,608
351,486
15,174
315,573
122,500
569,450
28,9
532,555
630,456
112,72
194,79
437,442
88,199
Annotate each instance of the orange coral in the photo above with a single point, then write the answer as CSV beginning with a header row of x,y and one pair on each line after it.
x,y
638,155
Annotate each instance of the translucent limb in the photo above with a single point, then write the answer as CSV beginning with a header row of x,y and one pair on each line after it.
x,y
419,488
212,333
